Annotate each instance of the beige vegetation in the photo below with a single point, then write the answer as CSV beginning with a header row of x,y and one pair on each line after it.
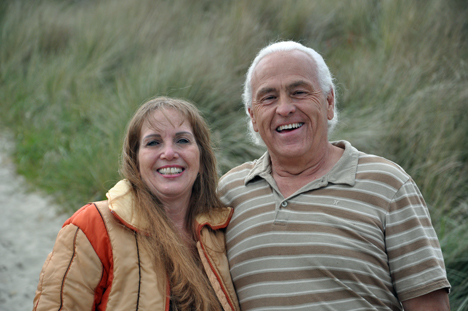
x,y
72,72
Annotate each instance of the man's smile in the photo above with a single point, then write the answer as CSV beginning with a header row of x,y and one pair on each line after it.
x,y
287,127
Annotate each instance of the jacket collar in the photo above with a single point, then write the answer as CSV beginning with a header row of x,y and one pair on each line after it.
x,y
121,204
218,218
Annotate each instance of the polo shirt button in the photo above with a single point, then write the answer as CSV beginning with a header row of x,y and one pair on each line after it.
x,y
284,204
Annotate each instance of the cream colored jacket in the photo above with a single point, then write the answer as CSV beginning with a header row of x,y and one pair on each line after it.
x,y
97,263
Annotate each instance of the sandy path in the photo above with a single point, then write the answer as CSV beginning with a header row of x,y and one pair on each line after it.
x,y
28,228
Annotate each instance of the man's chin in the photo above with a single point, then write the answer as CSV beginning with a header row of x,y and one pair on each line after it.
x,y
288,151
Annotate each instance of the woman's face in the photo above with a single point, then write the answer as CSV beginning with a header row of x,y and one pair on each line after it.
x,y
168,157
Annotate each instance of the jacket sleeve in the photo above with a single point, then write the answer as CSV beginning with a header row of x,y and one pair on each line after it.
x,y
70,274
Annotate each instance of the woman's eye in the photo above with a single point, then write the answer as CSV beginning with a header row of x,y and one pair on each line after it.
x,y
152,143
183,141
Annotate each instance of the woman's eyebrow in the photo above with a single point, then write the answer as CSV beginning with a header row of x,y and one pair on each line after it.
x,y
149,136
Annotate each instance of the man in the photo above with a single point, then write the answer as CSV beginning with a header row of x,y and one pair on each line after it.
x,y
319,225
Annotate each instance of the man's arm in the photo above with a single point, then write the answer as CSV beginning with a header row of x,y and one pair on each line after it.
x,y
434,301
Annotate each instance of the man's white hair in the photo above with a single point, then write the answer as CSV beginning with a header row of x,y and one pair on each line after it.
x,y
323,74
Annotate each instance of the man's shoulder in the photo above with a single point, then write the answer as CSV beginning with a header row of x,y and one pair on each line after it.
x,y
370,163
240,171
235,178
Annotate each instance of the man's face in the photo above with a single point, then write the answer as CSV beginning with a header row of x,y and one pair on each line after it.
x,y
289,109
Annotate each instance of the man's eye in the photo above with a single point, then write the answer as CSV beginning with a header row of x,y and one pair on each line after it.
x,y
268,98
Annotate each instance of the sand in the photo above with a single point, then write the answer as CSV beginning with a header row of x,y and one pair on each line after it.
x,y
28,227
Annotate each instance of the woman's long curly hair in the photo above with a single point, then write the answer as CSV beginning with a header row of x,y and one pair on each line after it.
x,y
190,288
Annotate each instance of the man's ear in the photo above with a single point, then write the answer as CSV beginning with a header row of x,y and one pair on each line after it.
x,y
331,105
254,121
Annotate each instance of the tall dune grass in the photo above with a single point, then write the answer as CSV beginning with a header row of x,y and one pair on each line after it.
x,y
73,72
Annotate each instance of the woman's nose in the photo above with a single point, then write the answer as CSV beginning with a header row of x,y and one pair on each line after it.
x,y
169,153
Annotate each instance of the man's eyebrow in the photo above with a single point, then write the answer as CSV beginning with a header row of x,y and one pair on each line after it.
x,y
265,90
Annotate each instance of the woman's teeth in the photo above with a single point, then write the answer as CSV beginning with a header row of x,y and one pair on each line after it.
x,y
170,170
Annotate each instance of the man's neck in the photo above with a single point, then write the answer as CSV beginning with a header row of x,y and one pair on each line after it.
x,y
292,174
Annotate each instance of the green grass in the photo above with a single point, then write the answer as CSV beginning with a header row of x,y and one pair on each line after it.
x,y
73,72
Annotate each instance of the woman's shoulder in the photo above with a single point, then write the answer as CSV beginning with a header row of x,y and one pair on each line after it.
x,y
84,213
89,218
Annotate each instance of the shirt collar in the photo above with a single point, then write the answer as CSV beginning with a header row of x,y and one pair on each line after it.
x,y
343,172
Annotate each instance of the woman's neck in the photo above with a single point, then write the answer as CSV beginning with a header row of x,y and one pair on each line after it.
x,y
177,215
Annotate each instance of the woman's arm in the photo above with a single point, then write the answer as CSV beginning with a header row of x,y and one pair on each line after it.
x,y
70,274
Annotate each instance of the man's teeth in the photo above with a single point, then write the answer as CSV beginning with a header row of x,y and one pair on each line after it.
x,y
289,126
170,170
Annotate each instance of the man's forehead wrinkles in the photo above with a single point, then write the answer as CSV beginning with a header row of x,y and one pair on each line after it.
x,y
298,83
291,85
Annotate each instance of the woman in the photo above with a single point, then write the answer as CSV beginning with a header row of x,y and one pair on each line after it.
x,y
157,243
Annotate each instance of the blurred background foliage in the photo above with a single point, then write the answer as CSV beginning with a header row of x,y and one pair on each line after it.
x,y
72,72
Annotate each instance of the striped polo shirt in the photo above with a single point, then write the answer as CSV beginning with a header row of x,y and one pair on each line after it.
x,y
359,238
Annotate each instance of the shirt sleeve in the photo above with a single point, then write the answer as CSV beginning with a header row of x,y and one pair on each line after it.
x,y
414,254
70,274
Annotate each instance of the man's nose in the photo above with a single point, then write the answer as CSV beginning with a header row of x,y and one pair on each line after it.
x,y
286,106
